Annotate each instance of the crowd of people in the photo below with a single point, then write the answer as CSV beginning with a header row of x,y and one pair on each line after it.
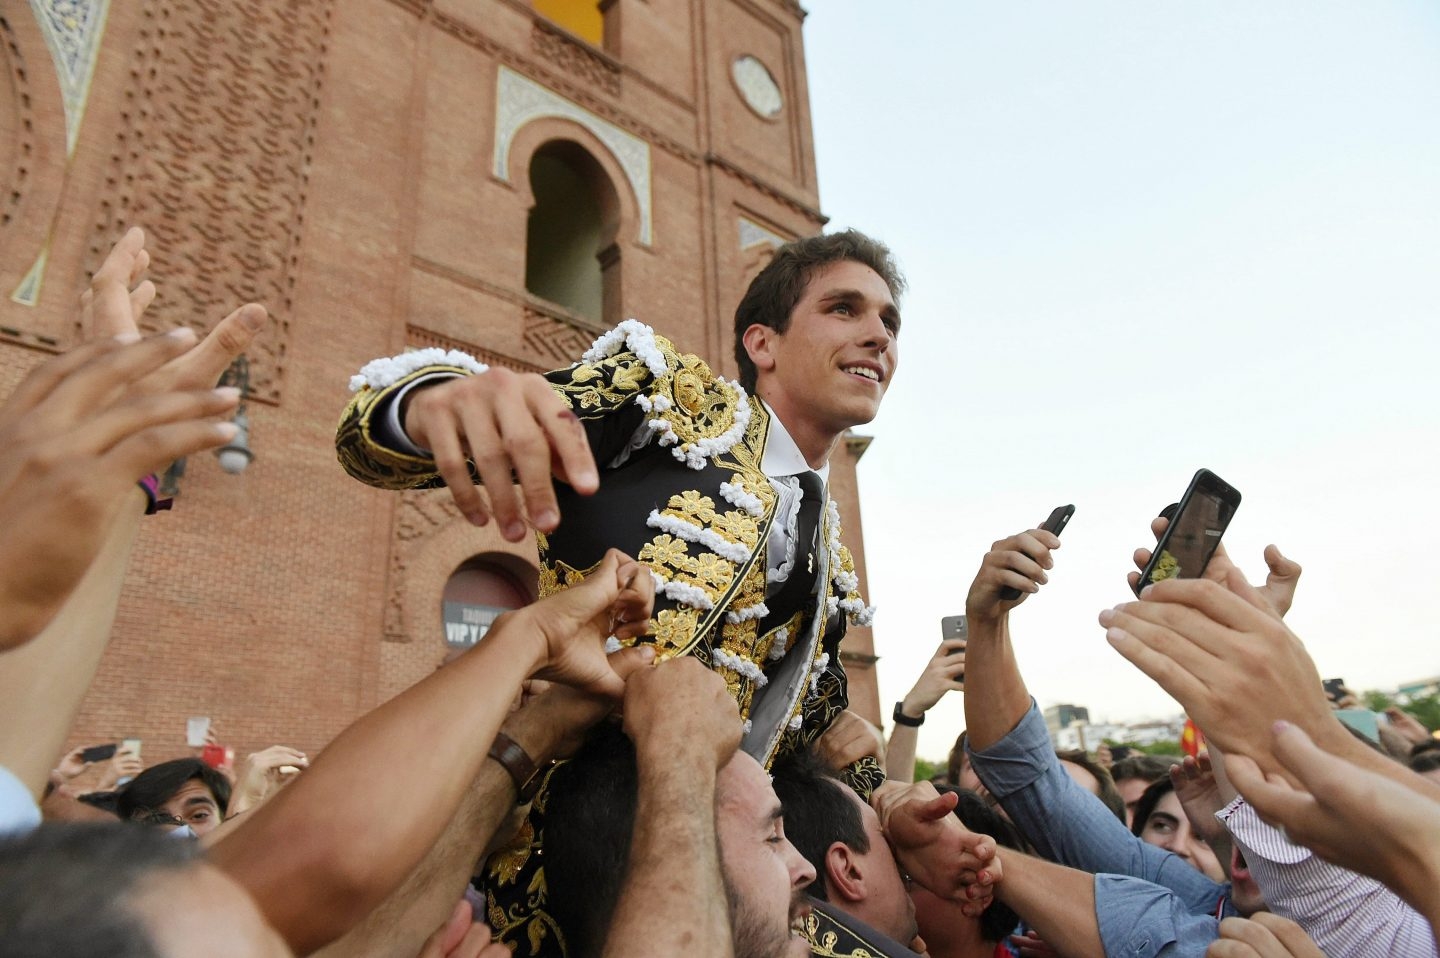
x,y
656,757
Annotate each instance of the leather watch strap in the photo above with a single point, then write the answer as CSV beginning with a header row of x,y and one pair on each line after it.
x,y
519,764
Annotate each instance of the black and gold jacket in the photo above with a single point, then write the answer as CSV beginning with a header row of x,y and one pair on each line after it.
x,y
681,490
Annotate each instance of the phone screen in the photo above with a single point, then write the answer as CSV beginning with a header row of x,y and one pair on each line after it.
x,y
1194,534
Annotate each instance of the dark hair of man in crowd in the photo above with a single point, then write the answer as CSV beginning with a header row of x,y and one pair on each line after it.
x,y
1109,794
1147,768
589,821
957,759
1155,791
774,293
976,814
105,801
817,813
1426,761
65,889
158,784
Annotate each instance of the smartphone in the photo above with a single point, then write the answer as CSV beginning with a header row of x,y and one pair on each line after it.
x,y
955,627
133,744
1059,519
1118,753
1334,689
1185,548
98,753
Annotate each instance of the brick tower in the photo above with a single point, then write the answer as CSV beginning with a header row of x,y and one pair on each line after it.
x,y
501,176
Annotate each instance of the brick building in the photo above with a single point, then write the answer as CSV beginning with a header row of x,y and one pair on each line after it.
x,y
503,176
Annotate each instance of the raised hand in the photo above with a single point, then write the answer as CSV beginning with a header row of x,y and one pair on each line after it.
x,y
1199,795
1020,562
125,764
680,706
849,739
554,718
81,429
945,672
614,600
461,936
1262,935
1282,575
516,429
1407,725
1349,815
263,772
71,766
934,848
1224,655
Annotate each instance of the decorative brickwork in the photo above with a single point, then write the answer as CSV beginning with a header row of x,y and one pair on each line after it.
x,y
588,65
22,150
214,158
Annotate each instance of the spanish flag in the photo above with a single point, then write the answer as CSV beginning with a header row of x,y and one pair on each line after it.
x,y
1191,739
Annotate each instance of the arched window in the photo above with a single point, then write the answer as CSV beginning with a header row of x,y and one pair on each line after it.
x,y
571,258
580,17
477,593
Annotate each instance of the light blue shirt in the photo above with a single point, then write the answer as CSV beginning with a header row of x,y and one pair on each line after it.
x,y
1149,902
18,811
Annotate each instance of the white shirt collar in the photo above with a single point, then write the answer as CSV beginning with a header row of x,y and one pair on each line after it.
x,y
782,456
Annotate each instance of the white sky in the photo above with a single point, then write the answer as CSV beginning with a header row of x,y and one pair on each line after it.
x,y
1142,238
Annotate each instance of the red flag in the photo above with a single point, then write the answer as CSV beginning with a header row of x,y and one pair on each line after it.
x,y
1191,739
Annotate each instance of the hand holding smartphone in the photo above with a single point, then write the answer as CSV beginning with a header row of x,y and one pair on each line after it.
x,y
97,753
1059,518
1194,533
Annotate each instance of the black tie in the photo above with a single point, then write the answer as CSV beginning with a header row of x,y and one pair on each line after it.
x,y
795,593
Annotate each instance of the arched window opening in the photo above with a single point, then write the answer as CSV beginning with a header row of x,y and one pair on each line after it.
x,y
583,18
571,258
477,594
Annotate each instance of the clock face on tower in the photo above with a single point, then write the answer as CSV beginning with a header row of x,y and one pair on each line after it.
x,y
757,87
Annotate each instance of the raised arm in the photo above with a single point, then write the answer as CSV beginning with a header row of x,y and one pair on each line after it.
x,y
996,697
1223,653
298,854
550,725
944,673
685,727
78,434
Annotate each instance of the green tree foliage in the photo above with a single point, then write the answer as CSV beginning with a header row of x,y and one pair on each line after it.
x,y
926,770
1154,748
1425,708
1376,701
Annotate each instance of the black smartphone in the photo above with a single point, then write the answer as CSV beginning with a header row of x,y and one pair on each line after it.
x,y
1118,753
1059,518
1194,533
98,753
1334,689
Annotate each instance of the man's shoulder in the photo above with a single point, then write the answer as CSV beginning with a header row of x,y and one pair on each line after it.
x,y
688,407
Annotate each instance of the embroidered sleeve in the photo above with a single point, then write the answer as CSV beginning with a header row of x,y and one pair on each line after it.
x,y
371,461
628,370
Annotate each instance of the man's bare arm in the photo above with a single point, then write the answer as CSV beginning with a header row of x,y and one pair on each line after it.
x,y
685,726
298,855
550,725
945,672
